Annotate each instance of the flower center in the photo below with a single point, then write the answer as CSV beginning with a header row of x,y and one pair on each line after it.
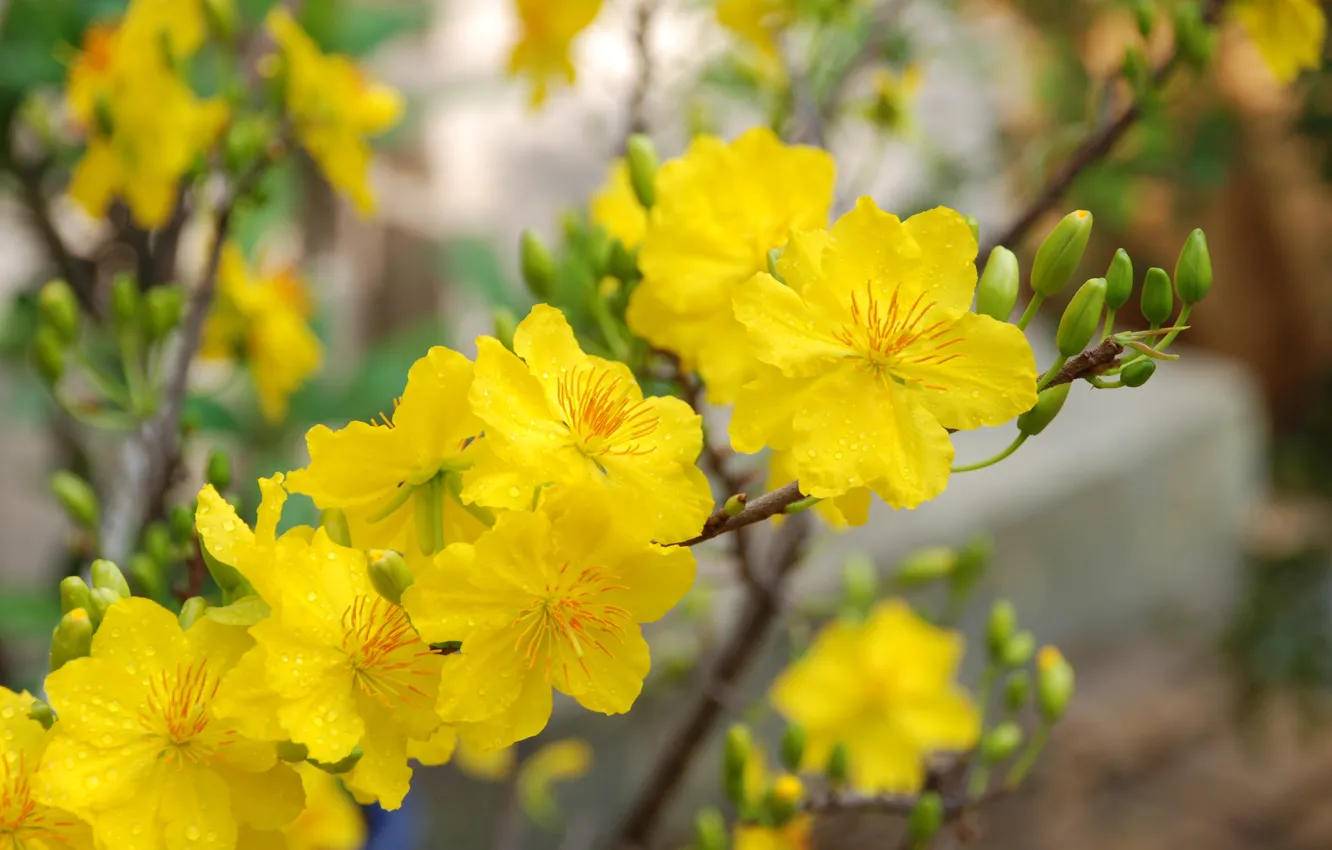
x,y
20,817
570,612
382,648
603,418
881,335
177,712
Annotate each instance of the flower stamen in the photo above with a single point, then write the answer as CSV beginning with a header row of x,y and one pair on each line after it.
x,y
603,417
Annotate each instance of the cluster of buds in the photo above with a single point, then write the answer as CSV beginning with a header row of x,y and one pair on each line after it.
x,y
82,610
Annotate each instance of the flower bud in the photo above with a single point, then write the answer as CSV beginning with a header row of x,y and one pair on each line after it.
x,y
1193,269
1017,690
148,573
74,593
1018,651
997,291
926,565
783,798
389,574
1048,404
334,523
162,306
1060,253
1001,742
290,751
793,746
839,764
106,574
739,745
191,610
710,831
505,324
125,302
71,639
1002,624
1138,373
862,582
102,600
1119,280
926,819
342,765
1158,302
1054,683
641,156
735,505
42,712
157,542
537,265
218,470
60,309
972,558
1082,318
48,354
182,524
76,497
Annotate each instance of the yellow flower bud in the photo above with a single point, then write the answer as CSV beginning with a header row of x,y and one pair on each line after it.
x,y
1060,253
71,639
60,309
76,497
641,155
1082,318
106,574
537,265
783,798
1048,404
1158,302
997,291
1054,683
1119,280
191,610
926,819
1001,742
389,574
74,593
1193,269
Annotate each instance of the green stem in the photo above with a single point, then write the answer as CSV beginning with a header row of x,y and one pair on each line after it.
x,y
980,774
1104,385
1030,313
1051,372
1109,324
1182,319
1012,447
105,385
135,379
1028,758
802,504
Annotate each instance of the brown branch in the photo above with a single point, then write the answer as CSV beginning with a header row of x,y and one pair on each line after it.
x,y
77,272
1095,147
759,615
756,510
1091,362
895,804
637,111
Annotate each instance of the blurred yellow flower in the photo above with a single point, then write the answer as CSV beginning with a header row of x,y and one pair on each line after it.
x,y
559,761
486,765
548,28
139,751
890,107
795,834
333,108
720,208
399,481
265,318
885,689
335,665
552,598
1289,33
26,823
558,419
331,820
758,22
870,354
616,207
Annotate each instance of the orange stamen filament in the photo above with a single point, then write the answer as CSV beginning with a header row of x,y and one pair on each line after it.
x,y
602,415
375,631
883,336
176,711
569,611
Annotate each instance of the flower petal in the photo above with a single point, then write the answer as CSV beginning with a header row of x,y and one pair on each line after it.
x,y
605,673
782,329
434,416
358,464
268,799
511,401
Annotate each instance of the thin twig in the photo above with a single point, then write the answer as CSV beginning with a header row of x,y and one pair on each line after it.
x,y
1091,362
637,111
756,510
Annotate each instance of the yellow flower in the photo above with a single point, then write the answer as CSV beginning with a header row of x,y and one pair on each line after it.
x,y
758,22
266,317
542,51
139,751
331,819
25,823
558,417
885,689
437,750
851,508
333,108
564,760
336,665
890,108
163,31
795,834
486,765
871,355
719,210
399,481
552,598
616,207
1289,33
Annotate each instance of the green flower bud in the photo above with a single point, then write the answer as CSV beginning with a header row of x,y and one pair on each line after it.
x,y
218,470
147,571
1193,269
74,593
71,639
739,745
972,559
926,819
641,155
1054,683
1145,15
42,712
537,265
1048,404
182,524
735,505
60,309
48,354
1017,690
1119,280
1000,629
838,769
342,765
106,574
974,224
505,324
102,600
1001,742
1138,373
1082,318
389,574
334,523
125,302
162,307
710,831
997,291
862,582
1158,302
1019,649
1060,253
783,799
76,497
191,610
157,542
290,751
926,565
793,747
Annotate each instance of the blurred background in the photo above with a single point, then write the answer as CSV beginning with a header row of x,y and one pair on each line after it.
x,y
1174,539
